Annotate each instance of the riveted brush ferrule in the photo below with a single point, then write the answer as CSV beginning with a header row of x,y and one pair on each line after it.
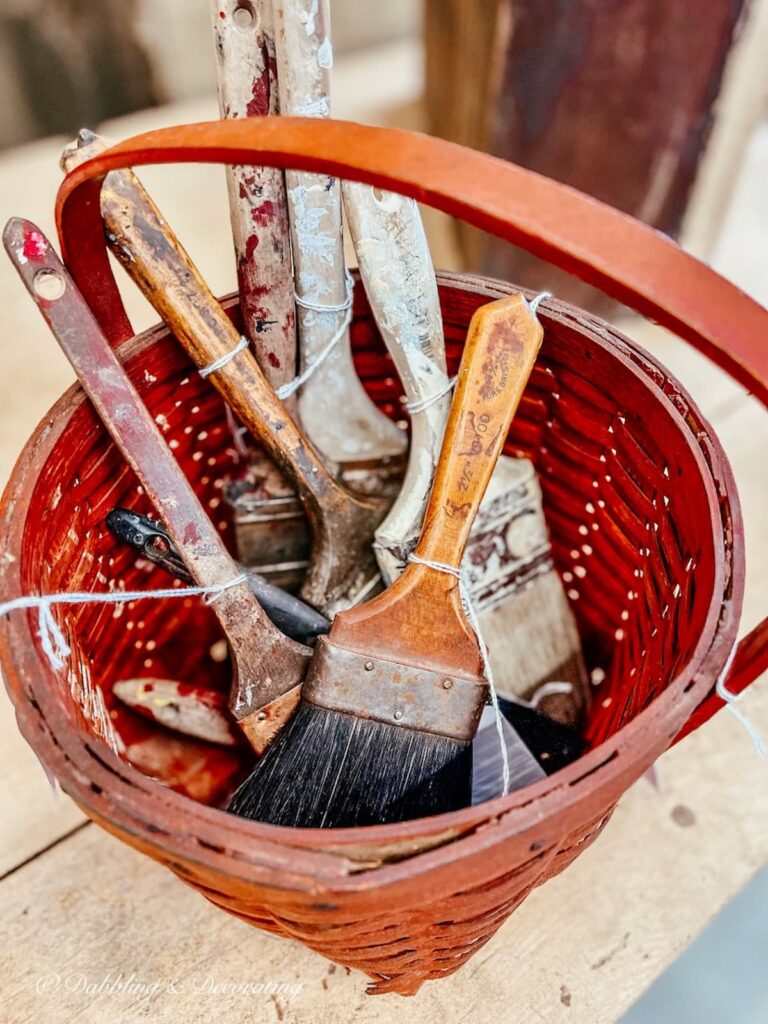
x,y
386,691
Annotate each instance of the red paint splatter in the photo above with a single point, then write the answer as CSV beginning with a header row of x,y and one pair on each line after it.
x,y
251,246
262,215
244,185
222,15
258,105
273,360
34,245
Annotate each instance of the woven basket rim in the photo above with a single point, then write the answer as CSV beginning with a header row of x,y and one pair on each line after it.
x,y
339,855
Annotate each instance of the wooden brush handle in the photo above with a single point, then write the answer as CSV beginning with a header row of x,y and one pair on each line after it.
x,y
420,619
153,257
334,408
396,269
502,343
268,664
247,87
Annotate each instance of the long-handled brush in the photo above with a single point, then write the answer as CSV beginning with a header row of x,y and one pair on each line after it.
x,y
260,498
394,694
268,667
334,408
342,569
524,615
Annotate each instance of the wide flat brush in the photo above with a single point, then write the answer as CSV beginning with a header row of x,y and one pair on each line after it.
x,y
394,694
268,667
342,568
524,615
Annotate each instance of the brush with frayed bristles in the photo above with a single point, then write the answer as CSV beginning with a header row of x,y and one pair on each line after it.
x,y
394,694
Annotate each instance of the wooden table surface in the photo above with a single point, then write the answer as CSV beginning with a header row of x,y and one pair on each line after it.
x,y
90,930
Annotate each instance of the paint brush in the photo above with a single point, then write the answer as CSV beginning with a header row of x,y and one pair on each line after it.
x,y
394,694
342,569
292,616
268,667
524,614
334,408
247,86
202,713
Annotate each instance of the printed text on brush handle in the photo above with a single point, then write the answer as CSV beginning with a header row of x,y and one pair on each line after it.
x,y
502,343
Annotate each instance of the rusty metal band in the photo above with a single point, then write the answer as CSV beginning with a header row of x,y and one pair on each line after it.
x,y
401,695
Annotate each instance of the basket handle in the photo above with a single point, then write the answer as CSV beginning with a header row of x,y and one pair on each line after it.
x,y
610,250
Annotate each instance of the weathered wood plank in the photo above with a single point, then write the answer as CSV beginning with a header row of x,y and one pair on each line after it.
x,y
581,949
613,99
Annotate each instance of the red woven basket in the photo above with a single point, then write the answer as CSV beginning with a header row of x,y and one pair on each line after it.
x,y
639,499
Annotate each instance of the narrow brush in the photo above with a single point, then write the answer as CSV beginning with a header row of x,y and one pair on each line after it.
x,y
334,408
396,270
394,694
292,616
342,569
268,667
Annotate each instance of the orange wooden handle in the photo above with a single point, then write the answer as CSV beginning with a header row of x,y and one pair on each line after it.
x,y
502,343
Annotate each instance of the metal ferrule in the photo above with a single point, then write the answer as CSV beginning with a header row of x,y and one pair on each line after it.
x,y
386,691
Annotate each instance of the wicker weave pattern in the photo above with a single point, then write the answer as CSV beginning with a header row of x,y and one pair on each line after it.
x,y
637,498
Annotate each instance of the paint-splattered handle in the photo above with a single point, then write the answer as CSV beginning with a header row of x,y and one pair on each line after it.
x,y
153,257
334,407
396,269
247,85
268,666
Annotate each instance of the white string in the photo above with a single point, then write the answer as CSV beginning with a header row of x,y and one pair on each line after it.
x,y
223,360
342,307
554,686
414,408
54,644
535,302
469,611
731,699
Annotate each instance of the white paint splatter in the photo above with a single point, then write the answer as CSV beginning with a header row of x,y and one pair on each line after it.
x,y
310,16
325,54
315,108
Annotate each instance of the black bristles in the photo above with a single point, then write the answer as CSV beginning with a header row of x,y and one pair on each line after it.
x,y
332,770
